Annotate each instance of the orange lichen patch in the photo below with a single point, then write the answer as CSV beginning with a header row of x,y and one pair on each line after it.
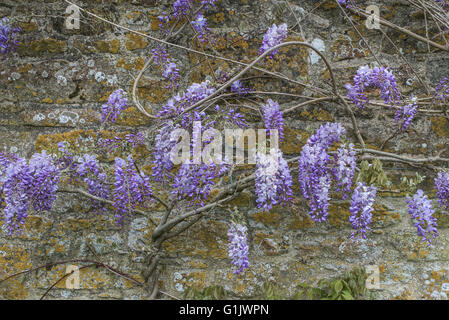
x,y
268,218
294,140
405,295
339,214
301,221
153,91
25,68
12,260
135,41
382,214
440,126
50,142
112,46
132,117
319,115
242,200
207,240
419,250
137,64
28,26
36,47
197,265
154,23
47,100
218,17
34,227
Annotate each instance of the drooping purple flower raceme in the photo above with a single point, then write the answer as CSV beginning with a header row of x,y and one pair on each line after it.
x,y
160,55
442,187
421,211
237,87
273,37
171,73
163,145
442,89
131,189
273,179
117,102
238,247
88,169
361,209
33,184
176,105
8,41
366,78
405,114
194,182
317,169
200,26
272,117
344,168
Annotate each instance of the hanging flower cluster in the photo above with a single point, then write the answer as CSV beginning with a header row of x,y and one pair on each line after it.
x,y
117,102
366,78
442,187
28,185
131,189
361,209
420,209
273,179
238,247
442,89
194,182
273,37
272,117
237,87
405,114
200,26
317,169
8,41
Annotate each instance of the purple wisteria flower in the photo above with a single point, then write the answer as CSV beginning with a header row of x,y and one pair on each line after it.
x,y
193,94
131,188
194,182
405,114
344,3
366,78
171,74
442,89
200,26
273,180
180,9
160,55
273,37
238,247
344,168
33,184
237,87
272,117
317,169
117,102
88,169
442,187
163,145
420,208
8,42
361,209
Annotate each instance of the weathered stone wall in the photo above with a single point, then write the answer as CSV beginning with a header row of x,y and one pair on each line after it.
x,y
53,88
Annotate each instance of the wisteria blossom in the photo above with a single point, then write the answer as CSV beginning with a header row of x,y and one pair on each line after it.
x,y
273,179
273,118
442,187
237,87
238,247
131,189
361,209
273,37
317,169
171,73
117,102
442,89
200,26
405,114
421,211
8,41
368,78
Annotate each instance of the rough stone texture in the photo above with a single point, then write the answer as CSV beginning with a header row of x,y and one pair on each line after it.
x,y
52,90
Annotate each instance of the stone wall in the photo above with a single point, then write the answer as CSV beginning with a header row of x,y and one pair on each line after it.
x,y
53,88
